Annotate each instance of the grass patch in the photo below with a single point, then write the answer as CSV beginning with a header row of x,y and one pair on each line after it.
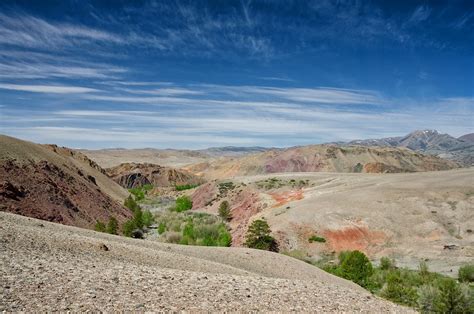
x,y
315,238
140,192
185,187
192,229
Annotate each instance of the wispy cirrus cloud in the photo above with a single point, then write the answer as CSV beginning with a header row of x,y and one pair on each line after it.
x,y
48,89
29,31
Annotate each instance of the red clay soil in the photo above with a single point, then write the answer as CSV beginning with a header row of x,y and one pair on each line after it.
x,y
286,197
59,194
244,206
354,238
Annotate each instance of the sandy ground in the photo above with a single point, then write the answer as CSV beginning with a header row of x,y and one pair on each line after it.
x,y
409,217
51,267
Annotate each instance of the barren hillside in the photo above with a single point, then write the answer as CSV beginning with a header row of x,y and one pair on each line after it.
x,y
90,271
56,184
130,175
410,216
319,158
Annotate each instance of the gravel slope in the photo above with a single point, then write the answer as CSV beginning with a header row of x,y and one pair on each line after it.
x,y
51,267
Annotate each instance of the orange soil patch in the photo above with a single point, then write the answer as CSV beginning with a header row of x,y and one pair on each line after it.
x,y
354,238
285,197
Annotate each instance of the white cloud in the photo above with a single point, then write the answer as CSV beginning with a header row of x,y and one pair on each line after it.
x,y
53,89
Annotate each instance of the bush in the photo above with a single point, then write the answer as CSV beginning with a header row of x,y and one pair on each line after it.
x,y
224,211
128,228
427,298
183,203
258,237
130,203
99,226
140,192
466,273
112,226
452,298
161,228
147,218
185,187
356,267
315,238
386,263
396,290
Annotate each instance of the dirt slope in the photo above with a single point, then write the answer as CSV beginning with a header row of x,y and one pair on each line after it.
x,y
319,158
89,271
410,216
56,184
130,175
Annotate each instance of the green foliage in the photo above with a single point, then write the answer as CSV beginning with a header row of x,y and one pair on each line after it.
x,y
147,218
112,226
356,267
99,226
138,222
183,203
427,298
258,237
386,263
161,227
397,291
140,192
452,298
466,273
315,238
130,203
224,211
128,228
185,187
190,228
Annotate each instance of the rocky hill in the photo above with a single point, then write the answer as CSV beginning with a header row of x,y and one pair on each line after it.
x,y
469,138
406,216
323,158
430,142
131,175
87,271
56,184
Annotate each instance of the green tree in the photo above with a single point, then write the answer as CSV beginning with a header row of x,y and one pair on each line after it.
x,y
161,227
130,203
99,226
396,290
452,298
466,273
147,218
128,227
224,211
112,226
356,267
258,237
183,203
386,263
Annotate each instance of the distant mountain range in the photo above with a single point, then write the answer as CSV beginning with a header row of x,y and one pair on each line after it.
x,y
430,142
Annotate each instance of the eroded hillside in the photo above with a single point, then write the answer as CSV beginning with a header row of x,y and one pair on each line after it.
x,y
56,184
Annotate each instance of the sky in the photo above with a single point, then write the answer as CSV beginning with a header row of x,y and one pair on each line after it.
x,y
197,74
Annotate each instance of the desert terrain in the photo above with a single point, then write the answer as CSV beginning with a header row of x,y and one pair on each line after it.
x,y
90,271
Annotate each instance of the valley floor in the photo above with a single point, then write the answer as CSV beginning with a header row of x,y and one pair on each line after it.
x,y
51,267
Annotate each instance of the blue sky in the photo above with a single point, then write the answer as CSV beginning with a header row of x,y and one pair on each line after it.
x,y
195,74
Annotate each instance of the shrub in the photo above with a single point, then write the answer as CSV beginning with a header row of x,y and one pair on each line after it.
x,y
427,298
99,226
224,211
386,263
315,238
396,291
130,203
466,273
452,298
356,267
183,203
128,228
161,228
185,187
139,192
147,218
112,226
258,237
